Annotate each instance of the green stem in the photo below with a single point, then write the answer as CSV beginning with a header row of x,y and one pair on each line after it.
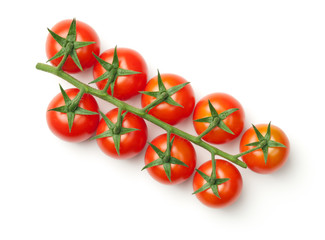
x,y
111,77
209,128
75,102
214,173
168,141
259,146
246,152
65,57
141,113
118,125
168,150
156,102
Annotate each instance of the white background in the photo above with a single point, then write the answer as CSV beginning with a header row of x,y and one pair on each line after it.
x,y
270,55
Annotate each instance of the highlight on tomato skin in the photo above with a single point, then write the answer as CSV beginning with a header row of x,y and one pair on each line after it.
x,y
131,144
85,33
128,86
181,149
165,111
221,102
84,126
277,156
229,191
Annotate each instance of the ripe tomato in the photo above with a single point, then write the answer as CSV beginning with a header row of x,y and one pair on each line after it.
x,y
164,111
84,34
277,156
83,126
182,150
131,143
221,102
228,191
125,86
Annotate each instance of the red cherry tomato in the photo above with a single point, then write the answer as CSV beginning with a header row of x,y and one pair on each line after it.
x,y
131,143
221,102
277,156
84,34
164,111
228,191
181,149
84,126
125,86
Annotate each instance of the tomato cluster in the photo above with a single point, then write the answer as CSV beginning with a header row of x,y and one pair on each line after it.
x,y
218,118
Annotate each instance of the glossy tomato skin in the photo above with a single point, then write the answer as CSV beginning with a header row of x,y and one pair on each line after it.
x,y
228,191
84,33
84,126
182,149
164,111
221,102
276,156
131,143
129,86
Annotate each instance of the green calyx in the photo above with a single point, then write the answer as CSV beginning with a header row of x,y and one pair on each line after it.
x,y
115,130
216,120
165,158
211,181
69,46
112,72
163,94
71,107
264,142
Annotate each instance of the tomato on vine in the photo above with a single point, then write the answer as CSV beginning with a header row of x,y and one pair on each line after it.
x,y
72,115
170,161
218,118
74,42
121,134
168,97
122,72
267,146
221,190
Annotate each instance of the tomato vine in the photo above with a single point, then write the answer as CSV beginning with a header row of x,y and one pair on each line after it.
x,y
140,112
217,118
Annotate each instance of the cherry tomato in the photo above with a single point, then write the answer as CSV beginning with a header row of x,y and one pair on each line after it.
x,y
84,126
131,143
221,102
228,191
181,149
164,111
125,86
84,34
277,156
